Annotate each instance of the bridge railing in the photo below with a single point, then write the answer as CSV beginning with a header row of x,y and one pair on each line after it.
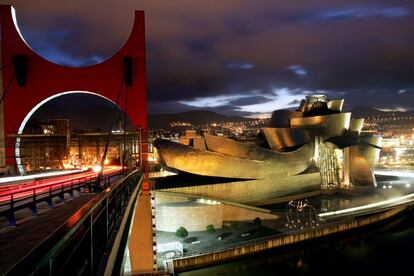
x,y
28,197
81,245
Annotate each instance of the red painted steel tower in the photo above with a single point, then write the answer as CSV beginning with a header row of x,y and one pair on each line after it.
x,y
43,80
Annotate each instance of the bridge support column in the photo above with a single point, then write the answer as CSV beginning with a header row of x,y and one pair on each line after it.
x,y
49,202
33,208
62,198
11,219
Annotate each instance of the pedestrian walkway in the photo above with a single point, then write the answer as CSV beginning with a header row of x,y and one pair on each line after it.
x,y
140,244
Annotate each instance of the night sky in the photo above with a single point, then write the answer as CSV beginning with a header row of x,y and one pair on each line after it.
x,y
241,57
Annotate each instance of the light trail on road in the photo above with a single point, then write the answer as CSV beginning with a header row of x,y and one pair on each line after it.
x,y
11,179
24,190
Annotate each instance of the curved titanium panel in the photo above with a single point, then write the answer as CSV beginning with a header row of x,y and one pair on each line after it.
x,y
281,118
237,149
336,105
370,149
208,163
285,138
360,169
303,106
356,125
310,123
337,124
325,125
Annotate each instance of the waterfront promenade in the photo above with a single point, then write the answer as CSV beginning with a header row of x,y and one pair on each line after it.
x,y
218,255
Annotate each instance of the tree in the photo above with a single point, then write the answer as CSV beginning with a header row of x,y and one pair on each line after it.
x,y
210,228
181,232
257,222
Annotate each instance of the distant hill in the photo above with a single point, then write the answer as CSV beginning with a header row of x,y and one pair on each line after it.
x,y
197,117
201,117
364,112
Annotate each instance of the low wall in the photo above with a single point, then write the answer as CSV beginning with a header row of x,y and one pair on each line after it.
x,y
234,213
174,210
161,198
191,215
277,241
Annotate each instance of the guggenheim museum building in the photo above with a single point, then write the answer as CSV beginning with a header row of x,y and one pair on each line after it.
x,y
314,148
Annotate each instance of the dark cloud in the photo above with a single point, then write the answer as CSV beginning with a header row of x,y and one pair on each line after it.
x,y
185,84
230,110
360,12
168,107
199,49
376,98
243,66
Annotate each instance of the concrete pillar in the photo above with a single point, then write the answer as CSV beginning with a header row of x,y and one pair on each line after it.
x,y
346,176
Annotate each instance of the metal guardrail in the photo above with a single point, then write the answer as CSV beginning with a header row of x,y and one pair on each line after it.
x,y
28,197
82,244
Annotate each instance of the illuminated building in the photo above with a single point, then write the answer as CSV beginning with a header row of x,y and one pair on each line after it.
x,y
317,146
51,145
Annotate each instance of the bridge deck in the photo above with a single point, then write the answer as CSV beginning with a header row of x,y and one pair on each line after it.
x,y
17,242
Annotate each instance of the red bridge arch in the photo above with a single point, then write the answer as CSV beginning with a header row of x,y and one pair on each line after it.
x,y
45,79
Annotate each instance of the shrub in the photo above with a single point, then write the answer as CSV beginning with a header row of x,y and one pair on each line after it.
x,y
210,228
181,232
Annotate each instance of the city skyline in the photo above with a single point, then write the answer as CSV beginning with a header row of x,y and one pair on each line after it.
x,y
239,57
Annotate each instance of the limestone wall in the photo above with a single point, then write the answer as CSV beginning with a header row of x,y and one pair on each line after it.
x,y
192,216
174,211
234,213
162,198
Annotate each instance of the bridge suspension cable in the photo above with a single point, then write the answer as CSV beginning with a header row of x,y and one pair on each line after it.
x,y
116,110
